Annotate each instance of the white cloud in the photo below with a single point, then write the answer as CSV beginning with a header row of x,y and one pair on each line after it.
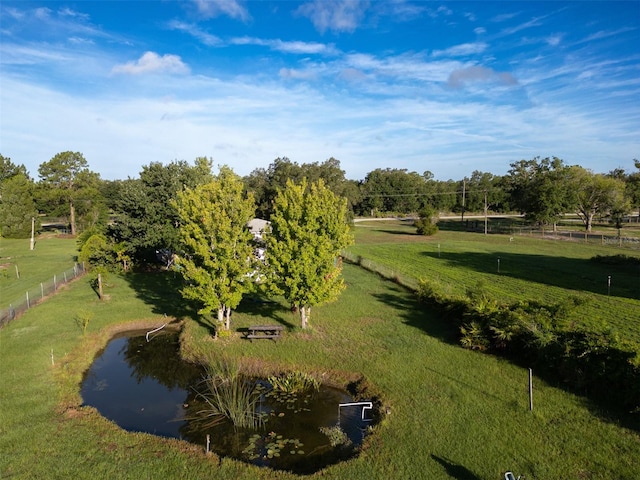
x,y
296,74
196,32
151,62
335,15
554,40
463,76
214,8
463,49
296,47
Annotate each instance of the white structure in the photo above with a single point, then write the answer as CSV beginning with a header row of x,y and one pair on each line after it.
x,y
257,226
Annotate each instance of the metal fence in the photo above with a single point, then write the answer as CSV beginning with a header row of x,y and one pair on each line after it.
x,y
582,237
39,293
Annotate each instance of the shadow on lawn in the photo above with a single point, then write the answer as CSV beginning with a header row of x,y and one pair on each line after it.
x,y
259,306
434,325
454,470
570,273
161,290
418,315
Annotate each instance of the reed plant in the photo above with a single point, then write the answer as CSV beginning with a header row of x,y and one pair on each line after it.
x,y
227,394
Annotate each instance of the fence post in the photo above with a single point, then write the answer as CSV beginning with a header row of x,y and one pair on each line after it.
x,y
28,306
65,276
41,291
55,283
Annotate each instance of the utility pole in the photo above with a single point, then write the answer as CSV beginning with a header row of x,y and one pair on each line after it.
x,y
485,212
464,191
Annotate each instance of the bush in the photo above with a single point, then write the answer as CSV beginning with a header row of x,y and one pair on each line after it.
x,y
426,224
535,335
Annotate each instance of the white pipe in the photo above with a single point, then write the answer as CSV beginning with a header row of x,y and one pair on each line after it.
x,y
365,406
154,330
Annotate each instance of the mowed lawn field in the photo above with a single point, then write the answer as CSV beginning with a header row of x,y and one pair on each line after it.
x,y
23,269
512,268
450,413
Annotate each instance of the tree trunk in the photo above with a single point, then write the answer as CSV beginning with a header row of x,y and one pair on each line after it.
x,y
305,314
221,314
227,318
589,221
72,217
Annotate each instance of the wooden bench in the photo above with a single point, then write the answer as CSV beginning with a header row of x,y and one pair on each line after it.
x,y
264,331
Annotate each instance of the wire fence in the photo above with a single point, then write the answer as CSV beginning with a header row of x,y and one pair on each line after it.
x,y
582,237
39,293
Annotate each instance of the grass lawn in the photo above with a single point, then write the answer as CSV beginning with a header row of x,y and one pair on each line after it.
x,y
511,269
453,413
51,256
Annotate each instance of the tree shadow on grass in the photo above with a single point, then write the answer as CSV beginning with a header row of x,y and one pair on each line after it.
x,y
455,470
569,273
433,324
258,305
161,290
418,315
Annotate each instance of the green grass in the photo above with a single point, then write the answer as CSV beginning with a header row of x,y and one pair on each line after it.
x,y
51,256
530,268
454,413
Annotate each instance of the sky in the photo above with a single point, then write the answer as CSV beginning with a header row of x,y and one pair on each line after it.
x,y
445,87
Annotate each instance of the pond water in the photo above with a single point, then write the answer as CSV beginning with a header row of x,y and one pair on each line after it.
x,y
144,386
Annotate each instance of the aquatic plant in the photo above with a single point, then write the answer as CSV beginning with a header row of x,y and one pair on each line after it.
x,y
294,382
336,436
272,445
227,394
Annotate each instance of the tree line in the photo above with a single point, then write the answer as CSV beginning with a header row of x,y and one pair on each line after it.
x,y
139,212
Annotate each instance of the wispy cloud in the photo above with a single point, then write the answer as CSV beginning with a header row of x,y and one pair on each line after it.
x,y
214,8
461,77
607,33
461,50
196,32
151,62
334,15
296,47
534,22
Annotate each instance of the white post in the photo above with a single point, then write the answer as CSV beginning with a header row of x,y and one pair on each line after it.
x,y
41,291
33,221
28,306
531,389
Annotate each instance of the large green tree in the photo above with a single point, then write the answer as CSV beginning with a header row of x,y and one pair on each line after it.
x,y
266,183
541,189
308,231
145,217
597,194
67,183
633,187
17,206
216,252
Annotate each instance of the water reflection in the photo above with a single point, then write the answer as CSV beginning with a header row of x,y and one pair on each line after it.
x,y
145,387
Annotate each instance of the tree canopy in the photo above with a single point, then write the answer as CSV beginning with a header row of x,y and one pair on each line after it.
x,y
215,251
145,217
66,181
308,231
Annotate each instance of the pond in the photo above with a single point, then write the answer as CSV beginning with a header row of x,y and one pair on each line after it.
x,y
144,386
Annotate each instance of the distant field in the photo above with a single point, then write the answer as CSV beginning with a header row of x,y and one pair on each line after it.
x,y
511,269
51,256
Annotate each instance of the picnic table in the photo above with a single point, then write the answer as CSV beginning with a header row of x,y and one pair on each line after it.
x,y
264,331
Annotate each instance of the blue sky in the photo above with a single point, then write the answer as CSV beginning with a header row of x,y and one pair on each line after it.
x,y
449,87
